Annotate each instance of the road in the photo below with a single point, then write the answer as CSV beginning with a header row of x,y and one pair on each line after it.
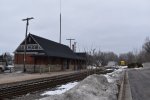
x,y
139,83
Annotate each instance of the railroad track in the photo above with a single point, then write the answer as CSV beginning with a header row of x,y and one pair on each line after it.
x,y
21,88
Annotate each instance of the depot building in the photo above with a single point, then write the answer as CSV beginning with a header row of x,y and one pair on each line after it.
x,y
44,55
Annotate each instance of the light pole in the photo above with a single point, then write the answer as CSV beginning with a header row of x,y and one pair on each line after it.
x,y
60,24
25,47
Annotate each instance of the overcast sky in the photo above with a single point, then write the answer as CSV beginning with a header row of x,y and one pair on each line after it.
x,y
110,25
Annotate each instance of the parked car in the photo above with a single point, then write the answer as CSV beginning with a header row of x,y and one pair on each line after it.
x,y
6,62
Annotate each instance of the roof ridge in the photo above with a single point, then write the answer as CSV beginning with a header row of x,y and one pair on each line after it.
x,y
54,49
47,39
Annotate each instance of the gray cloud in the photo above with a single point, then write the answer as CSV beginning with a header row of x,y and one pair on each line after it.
x,y
111,25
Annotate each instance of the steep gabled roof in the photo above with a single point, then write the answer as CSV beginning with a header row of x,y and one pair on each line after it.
x,y
54,49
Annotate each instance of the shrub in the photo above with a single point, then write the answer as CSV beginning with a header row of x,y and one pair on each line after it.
x,y
135,65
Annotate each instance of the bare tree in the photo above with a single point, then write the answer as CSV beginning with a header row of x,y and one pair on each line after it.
x,y
99,58
90,58
146,45
143,56
128,57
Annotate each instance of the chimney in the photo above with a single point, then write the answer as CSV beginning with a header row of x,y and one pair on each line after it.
x,y
73,48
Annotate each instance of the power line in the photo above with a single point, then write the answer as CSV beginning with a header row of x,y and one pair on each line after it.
x,y
70,41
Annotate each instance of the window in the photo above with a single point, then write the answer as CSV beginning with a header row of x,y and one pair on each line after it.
x,y
30,47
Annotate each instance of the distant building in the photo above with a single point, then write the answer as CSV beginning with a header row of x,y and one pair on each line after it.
x,y
122,63
112,64
146,64
46,55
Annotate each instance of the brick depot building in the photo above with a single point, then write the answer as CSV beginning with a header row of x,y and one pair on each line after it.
x,y
46,55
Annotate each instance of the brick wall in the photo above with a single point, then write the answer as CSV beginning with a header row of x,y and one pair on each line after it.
x,y
45,64
19,59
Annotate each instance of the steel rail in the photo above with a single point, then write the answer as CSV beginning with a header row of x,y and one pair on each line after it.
x,y
21,88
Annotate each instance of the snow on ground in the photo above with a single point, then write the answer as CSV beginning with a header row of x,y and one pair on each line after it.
x,y
91,67
61,89
94,87
109,69
116,75
19,72
122,67
10,66
139,68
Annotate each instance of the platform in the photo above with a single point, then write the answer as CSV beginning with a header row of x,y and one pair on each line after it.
x,y
6,78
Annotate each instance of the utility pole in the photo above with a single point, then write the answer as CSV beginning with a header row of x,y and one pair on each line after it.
x,y
60,24
70,41
25,47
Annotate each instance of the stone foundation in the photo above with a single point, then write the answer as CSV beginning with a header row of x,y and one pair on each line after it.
x,y
38,68
44,68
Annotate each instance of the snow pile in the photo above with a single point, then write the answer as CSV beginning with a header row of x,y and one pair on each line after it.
x,y
10,66
109,69
115,76
94,87
122,67
18,72
139,68
91,67
61,89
